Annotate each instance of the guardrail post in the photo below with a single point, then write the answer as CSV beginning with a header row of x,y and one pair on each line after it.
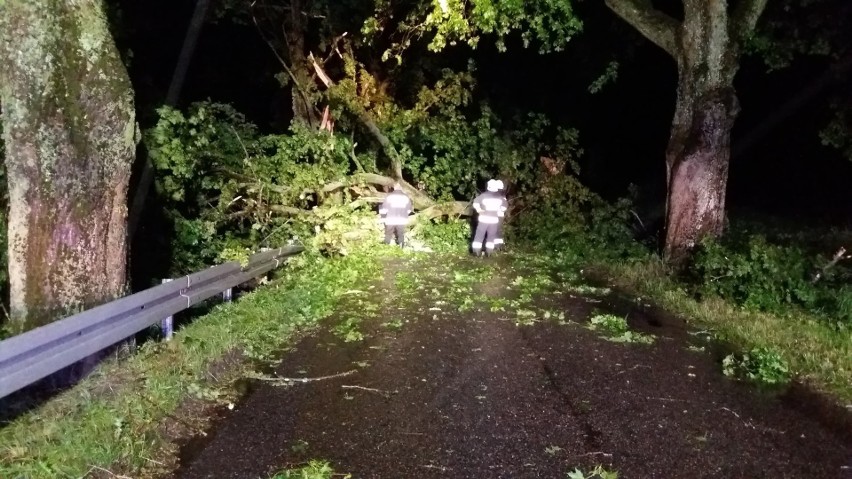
x,y
167,324
227,294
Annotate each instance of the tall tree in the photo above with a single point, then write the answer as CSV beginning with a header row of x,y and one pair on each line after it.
x,y
706,45
70,133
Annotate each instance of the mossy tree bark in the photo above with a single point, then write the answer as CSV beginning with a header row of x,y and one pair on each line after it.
x,y
70,134
706,45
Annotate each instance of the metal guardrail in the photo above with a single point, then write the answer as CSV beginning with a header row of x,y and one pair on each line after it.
x,y
33,355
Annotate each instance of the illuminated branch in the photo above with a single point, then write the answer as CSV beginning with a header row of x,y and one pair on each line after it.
x,y
653,24
745,17
364,116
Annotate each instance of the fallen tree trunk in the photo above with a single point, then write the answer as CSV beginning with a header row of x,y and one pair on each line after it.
x,y
421,200
452,208
362,185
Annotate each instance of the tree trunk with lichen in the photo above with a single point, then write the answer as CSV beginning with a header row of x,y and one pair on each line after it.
x,y
706,46
697,161
699,149
70,134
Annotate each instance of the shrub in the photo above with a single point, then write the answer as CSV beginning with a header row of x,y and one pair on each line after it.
x,y
754,273
760,365
758,275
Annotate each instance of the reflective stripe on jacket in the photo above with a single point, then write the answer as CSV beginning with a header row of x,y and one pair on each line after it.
x,y
396,208
491,206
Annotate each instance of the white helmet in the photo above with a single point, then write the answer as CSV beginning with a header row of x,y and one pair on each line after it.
x,y
493,185
500,185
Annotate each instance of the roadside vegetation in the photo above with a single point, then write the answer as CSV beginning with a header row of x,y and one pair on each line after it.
x,y
129,413
230,190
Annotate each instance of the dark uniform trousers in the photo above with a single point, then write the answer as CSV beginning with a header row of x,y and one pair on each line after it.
x,y
397,231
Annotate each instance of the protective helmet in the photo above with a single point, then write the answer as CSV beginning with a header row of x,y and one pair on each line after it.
x,y
500,185
493,185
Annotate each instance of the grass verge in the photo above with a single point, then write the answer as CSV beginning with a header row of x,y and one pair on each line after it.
x,y
817,354
114,420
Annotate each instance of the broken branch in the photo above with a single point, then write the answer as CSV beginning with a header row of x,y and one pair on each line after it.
x,y
364,117
372,390
837,257
745,16
301,380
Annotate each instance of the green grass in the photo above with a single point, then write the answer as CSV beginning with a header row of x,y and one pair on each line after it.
x,y
817,354
114,418
616,329
598,472
313,470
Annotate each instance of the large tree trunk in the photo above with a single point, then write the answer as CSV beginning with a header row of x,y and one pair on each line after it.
x,y
697,160
70,134
706,46
698,154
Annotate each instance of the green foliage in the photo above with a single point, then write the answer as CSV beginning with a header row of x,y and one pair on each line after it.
x,y
577,224
444,236
760,364
598,472
314,470
452,153
838,132
608,76
448,149
609,323
752,272
549,23
617,330
116,414
790,28
347,330
228,188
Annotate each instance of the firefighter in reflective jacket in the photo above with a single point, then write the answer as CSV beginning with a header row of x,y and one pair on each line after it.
x,y
394,213
490,205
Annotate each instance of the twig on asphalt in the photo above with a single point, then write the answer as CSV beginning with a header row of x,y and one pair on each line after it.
x,y
745,423
440,468
280,380
597,453
631,369
667,399
372,390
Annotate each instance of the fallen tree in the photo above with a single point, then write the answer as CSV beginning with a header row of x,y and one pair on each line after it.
x,y
362,187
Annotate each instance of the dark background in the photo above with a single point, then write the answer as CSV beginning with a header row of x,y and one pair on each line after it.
x,y
623,129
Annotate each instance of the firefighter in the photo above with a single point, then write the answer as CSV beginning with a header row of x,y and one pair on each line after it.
x,y
394,213
490,206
